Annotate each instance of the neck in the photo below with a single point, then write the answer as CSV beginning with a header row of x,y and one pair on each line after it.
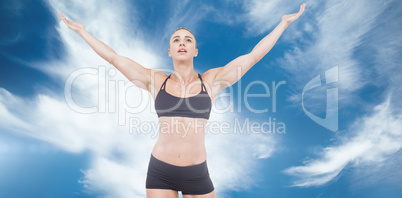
x,y
184,71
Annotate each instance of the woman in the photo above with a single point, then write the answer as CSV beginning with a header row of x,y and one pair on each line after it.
x,y
183,101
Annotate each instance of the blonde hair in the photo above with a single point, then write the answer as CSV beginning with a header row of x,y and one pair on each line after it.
x,y
183,28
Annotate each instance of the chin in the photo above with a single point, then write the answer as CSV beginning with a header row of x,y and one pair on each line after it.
x,y
184,58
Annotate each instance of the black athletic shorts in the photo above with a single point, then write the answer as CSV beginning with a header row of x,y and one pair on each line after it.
x,y
190,180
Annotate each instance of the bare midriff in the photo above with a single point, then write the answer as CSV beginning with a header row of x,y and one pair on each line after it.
x,y
181,141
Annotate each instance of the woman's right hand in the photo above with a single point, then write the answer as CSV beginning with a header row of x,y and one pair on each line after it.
x,y
289,18
76,26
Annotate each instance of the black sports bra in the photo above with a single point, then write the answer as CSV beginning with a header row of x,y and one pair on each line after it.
x,y
198,106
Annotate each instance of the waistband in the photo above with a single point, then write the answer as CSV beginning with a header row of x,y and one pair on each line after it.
x,y
155,160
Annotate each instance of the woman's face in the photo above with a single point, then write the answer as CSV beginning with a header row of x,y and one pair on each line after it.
x,y
182,45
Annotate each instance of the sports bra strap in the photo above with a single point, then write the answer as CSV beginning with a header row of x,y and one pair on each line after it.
x,y
164,83
203,88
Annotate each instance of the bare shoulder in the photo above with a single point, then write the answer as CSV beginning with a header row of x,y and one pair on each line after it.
x,y
157,79
209,78
158,75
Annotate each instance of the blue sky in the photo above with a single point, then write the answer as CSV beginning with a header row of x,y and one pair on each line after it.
x,y
51,145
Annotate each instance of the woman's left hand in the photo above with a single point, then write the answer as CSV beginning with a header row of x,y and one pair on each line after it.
x,y
289,18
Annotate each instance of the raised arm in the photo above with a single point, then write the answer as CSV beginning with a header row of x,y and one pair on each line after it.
x,y
229,74
133,71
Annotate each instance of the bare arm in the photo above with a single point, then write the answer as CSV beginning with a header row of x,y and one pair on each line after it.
x,y
98,46
229,74
133,71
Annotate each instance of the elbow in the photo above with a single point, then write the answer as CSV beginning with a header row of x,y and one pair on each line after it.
x,y
112,59
253,58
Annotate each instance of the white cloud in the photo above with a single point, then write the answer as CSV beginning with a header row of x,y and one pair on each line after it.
x,y
112,178
119,159
264,15
377,137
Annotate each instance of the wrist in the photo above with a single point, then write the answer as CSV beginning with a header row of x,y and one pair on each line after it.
x,y
285,23
81,32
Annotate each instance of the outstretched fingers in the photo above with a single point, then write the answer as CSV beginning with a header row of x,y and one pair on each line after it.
x,y
61,16
302,8
64,19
